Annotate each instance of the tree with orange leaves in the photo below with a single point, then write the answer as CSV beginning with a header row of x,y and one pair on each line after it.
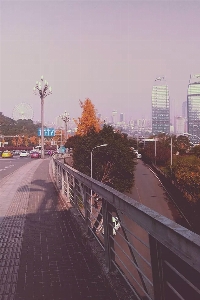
x,y
34,140
88,119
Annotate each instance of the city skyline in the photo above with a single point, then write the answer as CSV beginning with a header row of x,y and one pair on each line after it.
x,y
108,51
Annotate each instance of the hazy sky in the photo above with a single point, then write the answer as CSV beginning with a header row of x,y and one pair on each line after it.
x,y
109,51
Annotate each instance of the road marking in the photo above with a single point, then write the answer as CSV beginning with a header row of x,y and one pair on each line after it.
x,y
138,194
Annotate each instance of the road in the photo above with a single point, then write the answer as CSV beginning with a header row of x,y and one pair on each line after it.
x,y
149,191
9,165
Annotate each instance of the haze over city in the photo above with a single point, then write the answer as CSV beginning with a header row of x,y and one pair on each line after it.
x,y
108,51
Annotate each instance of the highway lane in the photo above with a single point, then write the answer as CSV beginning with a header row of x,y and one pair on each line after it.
x,y
9,165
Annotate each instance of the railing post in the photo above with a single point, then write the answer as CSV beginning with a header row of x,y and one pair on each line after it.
x,y
157,269
53,167
57,175
75,192
67,185
108,234
63,181
86,209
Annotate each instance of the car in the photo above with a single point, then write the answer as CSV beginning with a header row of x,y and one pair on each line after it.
x,y
138,155
35,155
7,154
24,153
16,152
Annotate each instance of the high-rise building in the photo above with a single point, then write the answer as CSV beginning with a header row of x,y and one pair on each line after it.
x,y
114,116
121,117
193,108
179,125
160,107
59,123
184,109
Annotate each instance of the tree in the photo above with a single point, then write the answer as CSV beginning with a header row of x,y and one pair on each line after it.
x,y
88,119
182,144
113,165
196,150
186,170
34,140
10,127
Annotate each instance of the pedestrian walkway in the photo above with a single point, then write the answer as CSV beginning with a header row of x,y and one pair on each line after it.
x,y
41,253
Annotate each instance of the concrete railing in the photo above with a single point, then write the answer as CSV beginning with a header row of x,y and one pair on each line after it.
x,y
158,258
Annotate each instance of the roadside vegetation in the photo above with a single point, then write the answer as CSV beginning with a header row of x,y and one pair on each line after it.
x,y
181,167
113,164
22,133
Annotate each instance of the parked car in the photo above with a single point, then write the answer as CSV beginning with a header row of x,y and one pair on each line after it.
x,y
35,155
6,154
138,155
24,153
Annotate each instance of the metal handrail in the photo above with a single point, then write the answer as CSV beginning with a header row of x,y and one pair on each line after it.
x,y
169,243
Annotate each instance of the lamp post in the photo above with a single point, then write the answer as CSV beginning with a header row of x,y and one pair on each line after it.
x,y
103,145
65,118
155,150
171,152
43,90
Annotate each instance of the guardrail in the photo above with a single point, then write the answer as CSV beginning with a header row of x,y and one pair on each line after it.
x,y
158,258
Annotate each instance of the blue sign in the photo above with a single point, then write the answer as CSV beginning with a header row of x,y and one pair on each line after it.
x,y
62,149
47,131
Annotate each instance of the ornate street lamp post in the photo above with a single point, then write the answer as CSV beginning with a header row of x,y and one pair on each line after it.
x,y
43,90
65,117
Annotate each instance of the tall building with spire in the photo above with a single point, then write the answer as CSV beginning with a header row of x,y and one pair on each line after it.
x,y
193,108
160,107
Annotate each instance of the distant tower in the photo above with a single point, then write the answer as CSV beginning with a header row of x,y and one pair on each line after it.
x,y
114,116
184,109
121,117
160,107
179,125
193,108
59,123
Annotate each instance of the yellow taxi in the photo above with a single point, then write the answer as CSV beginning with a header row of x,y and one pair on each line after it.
x,y
7,154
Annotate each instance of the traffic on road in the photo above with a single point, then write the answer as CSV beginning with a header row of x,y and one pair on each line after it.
x,y
10,161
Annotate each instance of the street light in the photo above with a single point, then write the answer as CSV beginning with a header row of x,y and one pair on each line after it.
x,y
65,118
104,145
43,90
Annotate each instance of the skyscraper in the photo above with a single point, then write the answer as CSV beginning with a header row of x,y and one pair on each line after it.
x,y
184,109
160,107
193,108
114,115
121,117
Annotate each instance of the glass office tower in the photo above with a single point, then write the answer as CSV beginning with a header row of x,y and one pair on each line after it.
x,y
160,107
193,108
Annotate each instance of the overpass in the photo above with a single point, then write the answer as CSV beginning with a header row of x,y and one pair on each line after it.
x,y
48,243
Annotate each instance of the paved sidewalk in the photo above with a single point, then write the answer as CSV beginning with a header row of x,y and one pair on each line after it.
x,y
41,254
